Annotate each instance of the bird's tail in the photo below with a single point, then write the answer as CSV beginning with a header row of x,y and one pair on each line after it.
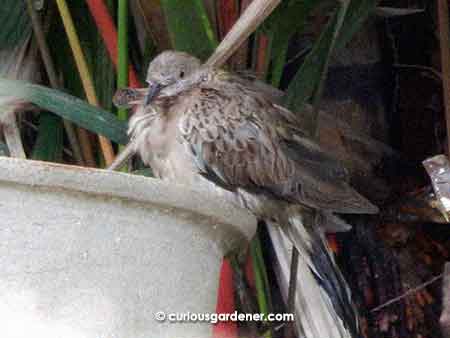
x,y
324,308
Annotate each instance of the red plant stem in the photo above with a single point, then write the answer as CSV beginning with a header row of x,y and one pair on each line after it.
x,y
108,31
228,13
332,243
261,58
225,303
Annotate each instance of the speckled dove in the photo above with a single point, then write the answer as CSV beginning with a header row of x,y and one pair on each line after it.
x,y
212,129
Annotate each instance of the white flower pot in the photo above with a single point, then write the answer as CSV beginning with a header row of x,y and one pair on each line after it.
x,y
88,253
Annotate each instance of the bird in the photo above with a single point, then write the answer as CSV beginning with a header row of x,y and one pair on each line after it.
x,y
210,128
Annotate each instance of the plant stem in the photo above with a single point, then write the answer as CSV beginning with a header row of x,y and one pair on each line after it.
x,y
108,31
290,329
53,78
252,17
445,60
122,71
83,69
342,11
261,279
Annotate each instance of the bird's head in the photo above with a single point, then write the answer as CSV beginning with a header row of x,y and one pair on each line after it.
x,y
168,68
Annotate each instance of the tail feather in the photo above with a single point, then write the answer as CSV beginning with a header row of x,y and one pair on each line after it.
x,y
332,223
320,269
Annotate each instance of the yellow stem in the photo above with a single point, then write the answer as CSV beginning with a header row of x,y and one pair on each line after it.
x,y
85,75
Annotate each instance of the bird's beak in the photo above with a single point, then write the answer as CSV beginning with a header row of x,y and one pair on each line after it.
x,y
153,89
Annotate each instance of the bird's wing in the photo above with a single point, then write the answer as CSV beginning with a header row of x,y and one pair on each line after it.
x,y
230,143
294,138
235,141
302,149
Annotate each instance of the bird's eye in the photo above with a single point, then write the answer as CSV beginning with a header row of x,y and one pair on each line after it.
x,y
181,74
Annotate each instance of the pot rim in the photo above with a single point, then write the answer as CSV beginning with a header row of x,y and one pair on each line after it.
x,y
241,225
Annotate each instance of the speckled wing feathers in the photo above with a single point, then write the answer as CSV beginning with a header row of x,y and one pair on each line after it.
x,y
232,141
239,139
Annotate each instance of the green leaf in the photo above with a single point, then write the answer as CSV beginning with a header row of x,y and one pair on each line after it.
x,y
49,143
278,60
339,30
261,278
147,172
66,106
189,27
289,18
357,13
16,26
4,151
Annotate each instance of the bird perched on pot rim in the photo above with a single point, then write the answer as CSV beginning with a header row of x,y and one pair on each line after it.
x,y
210,128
